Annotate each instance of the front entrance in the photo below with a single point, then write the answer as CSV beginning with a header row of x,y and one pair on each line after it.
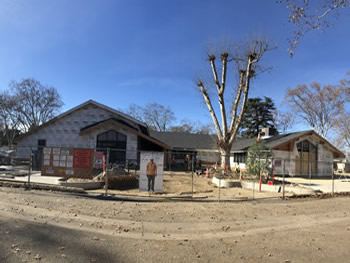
x,y
116,141
306,160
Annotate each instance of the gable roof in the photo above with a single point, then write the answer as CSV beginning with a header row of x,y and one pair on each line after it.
x,y
278,140
89,102
124,125
242,144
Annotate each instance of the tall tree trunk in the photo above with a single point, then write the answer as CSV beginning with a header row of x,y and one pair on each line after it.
x,y
225,152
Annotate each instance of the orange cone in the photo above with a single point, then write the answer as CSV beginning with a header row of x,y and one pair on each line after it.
x,y
207,173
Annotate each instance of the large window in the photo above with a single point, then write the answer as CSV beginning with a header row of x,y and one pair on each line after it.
x,y
111,139
116,142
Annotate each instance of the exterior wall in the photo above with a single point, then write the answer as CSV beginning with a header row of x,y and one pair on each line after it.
x,y
131,141
208,157
324,158
65,132
284,161
324,161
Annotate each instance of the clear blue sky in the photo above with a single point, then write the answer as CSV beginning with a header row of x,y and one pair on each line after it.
x,y
143,51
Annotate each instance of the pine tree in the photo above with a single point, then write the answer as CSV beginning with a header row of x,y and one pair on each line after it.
x,y
258,114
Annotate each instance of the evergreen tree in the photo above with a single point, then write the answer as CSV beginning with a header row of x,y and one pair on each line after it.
x,y
258,114
259,159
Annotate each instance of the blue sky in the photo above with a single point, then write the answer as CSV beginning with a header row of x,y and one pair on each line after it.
x,y
144,51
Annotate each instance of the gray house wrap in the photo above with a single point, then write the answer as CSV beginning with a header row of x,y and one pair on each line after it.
x,y
80,126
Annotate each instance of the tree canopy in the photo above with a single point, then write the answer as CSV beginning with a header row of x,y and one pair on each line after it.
x,y
157,116
258,114
36,103
284,121
319,106
26,105
193,127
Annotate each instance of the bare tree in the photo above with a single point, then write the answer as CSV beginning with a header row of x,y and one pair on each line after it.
x,y
307,16
245,57
157,116
318,106
343,130
184,126
35,103
10,117
135,111
283,121
206,129
193,127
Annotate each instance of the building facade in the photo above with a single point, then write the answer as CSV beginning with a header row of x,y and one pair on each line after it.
x,y
92,125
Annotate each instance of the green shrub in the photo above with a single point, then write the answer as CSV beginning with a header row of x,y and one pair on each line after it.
x,y
259,159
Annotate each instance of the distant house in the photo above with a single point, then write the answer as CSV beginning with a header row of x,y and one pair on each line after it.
x,y
95,126
300,153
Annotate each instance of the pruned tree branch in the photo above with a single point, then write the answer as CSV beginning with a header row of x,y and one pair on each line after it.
x,y
245,57
211,110
308,16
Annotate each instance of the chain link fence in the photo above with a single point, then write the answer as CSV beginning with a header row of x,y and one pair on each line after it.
x,y
187,174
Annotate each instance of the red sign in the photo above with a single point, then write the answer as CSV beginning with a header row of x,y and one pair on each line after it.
x,y
98,159
82,158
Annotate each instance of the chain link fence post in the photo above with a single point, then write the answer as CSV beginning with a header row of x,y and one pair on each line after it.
x,y
170,158
106,177
283,182
30,166
192,172
219,187
253,188
332,182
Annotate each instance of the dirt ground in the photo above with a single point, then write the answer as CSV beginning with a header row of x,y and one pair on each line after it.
x,y
179,184
59,227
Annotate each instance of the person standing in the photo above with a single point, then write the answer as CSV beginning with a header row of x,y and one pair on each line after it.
x,y
151,172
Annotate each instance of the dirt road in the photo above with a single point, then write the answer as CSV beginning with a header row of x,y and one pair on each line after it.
x,y
56,227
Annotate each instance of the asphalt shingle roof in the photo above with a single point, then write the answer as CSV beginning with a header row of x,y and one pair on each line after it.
x,y
183,140
244,144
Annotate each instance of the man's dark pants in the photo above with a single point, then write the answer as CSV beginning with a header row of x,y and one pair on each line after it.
x,y
150,182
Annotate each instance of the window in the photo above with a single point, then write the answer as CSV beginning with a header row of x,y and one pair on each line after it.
x,y
116,142
111,139
239,157
41,143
